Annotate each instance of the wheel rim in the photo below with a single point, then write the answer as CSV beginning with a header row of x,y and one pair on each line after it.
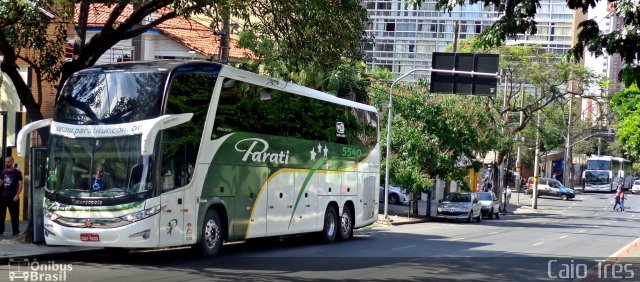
x,y
211,234
393,199
330,224
345,223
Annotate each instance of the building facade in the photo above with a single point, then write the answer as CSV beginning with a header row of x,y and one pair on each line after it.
x,y
405,37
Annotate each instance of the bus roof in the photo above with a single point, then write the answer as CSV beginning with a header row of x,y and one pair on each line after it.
x,y
230,72
607,158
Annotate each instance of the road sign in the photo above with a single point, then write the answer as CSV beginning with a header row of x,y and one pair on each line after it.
x,y
479,75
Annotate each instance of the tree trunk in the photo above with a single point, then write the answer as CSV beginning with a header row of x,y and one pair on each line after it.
x,y
414,208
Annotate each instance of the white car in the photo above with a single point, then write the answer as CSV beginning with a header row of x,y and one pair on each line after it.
x,y
636,187
396,195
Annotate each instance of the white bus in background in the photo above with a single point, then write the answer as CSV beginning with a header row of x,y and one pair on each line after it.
x,y
603,174
175,153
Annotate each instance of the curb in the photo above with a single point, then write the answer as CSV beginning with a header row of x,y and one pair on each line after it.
x,y
55,254
391,222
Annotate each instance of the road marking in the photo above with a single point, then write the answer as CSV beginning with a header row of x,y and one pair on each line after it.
x,y
582,231
405,247
493,233
538,244
573,204
564,236
420,229
457,239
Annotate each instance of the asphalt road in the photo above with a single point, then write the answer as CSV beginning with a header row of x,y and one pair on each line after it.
x,y
535,245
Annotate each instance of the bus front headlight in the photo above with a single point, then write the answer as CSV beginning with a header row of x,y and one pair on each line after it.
x,y
137,216
51,215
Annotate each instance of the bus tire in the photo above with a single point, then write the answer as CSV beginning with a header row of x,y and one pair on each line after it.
x,y
211,239
330,227
345,228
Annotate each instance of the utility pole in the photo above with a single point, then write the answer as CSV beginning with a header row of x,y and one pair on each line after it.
x,y
536,169
225,34
518,165
500,171
568,161
82,22
599,144
137,42
455,36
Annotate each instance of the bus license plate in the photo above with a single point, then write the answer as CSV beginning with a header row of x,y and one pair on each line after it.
x,y
89,237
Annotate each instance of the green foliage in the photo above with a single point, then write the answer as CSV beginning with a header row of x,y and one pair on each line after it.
x,y
625,105
290,36
24,26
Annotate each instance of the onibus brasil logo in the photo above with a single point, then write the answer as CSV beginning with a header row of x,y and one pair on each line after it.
x,y
21,269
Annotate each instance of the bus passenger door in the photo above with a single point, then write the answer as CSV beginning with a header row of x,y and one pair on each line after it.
x,y
172,181
38,174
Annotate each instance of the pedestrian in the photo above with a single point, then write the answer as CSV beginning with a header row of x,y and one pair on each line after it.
x,y
618,202
507,197
11,185
622,198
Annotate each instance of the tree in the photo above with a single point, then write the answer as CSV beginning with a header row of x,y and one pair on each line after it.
x,y
32,33
292,35
433,136
625,105
534,80
518,17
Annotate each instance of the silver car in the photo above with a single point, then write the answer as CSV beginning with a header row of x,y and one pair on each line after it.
x,y
490,204
460,206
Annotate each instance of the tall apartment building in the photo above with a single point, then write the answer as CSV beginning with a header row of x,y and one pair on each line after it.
x,y
405,38
607,66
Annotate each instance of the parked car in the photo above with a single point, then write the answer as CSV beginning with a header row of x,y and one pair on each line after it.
x,y
550,187
490,204
396,195
636,187
460,206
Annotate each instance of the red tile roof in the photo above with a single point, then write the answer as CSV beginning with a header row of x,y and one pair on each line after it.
x,y
185,31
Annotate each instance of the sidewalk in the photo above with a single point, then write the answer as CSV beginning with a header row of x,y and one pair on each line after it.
x,y
399,214
12,247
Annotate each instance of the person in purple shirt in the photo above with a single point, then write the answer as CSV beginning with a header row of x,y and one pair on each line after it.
x,y
10,187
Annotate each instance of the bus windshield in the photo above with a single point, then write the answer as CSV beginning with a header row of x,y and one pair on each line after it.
x,y
99,97
457,197
108,168
597,177
598,165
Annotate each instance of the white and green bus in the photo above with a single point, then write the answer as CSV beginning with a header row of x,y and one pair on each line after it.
x,y
176,153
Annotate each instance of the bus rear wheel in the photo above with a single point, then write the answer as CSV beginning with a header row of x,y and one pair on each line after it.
x,y
330,229
346,224
211,236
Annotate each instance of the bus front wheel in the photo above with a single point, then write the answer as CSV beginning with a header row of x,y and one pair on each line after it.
x,y
211,236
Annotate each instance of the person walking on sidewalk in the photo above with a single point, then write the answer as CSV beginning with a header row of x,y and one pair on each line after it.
x,y
11,187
